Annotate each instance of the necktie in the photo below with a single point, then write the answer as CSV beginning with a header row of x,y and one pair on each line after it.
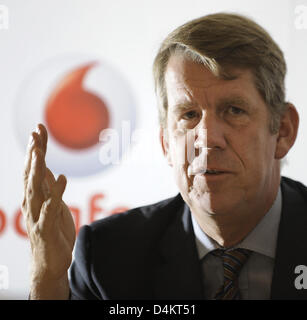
x,y
233,261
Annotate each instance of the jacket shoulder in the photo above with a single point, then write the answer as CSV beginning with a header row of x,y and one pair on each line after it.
x,y
118,253
291,185
140,217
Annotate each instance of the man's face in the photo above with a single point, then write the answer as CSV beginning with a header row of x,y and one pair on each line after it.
x,y
220,125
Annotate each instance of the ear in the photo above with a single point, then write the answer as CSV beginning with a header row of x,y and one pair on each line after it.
x,y
287,131
165,145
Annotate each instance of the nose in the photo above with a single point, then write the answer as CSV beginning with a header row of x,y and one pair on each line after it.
x,y
210,132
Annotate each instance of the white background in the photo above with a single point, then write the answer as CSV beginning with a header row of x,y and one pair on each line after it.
x,y
127,35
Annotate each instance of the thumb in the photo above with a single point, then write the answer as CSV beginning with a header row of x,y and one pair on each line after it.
x,y
51,208
59,187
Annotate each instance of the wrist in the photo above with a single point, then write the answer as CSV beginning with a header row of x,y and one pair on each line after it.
x,y
44,288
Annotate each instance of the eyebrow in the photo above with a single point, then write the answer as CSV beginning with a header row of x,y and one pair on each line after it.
x,y
231,100
235,100
184,106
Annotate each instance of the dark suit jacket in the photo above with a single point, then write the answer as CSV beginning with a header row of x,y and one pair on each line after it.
x,y
150,253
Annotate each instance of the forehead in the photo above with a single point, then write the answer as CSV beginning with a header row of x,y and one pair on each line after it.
x,y
186,80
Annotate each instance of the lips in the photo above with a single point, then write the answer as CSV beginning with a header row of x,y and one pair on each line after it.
x,y
209,171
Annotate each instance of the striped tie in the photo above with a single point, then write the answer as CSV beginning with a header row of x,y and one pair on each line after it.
x,y
233,261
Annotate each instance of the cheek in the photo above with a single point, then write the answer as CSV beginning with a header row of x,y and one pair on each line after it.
x,y
256,155
182,180
182,146
180,162
177,148
200,184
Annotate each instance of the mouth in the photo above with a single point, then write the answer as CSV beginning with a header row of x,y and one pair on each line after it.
x,y
213,175
211,172
208,171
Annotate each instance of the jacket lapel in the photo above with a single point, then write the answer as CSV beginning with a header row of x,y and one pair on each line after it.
x,y
178,273
291,248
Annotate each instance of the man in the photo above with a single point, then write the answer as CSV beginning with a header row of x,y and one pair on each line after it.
x,y
236,230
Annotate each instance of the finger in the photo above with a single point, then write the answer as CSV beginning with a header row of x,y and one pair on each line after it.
x,y
59,186
28,157
27,167
34,191
38,139
43,135
48,183
50,177
34,142
51,208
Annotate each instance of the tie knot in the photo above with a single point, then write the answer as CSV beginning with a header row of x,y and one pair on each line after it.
x,y
233,261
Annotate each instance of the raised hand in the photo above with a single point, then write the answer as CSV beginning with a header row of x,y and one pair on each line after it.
x,y
50,225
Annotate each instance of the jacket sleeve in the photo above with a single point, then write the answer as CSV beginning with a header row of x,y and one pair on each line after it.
x,y
82,286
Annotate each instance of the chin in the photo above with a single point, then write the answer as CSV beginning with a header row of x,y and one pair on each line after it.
x,y
211,203
199,201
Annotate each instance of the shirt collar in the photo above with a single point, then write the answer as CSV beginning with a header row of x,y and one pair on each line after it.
x,y
262,239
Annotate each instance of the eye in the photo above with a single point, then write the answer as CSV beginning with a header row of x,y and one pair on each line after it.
x,y
190,115
235,111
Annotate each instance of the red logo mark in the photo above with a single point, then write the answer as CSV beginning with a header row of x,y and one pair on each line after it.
x,y
75,117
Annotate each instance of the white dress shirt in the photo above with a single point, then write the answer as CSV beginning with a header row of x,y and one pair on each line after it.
x,y
256,275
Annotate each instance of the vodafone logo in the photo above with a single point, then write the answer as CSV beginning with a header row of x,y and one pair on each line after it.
x,y
77,98
74,115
